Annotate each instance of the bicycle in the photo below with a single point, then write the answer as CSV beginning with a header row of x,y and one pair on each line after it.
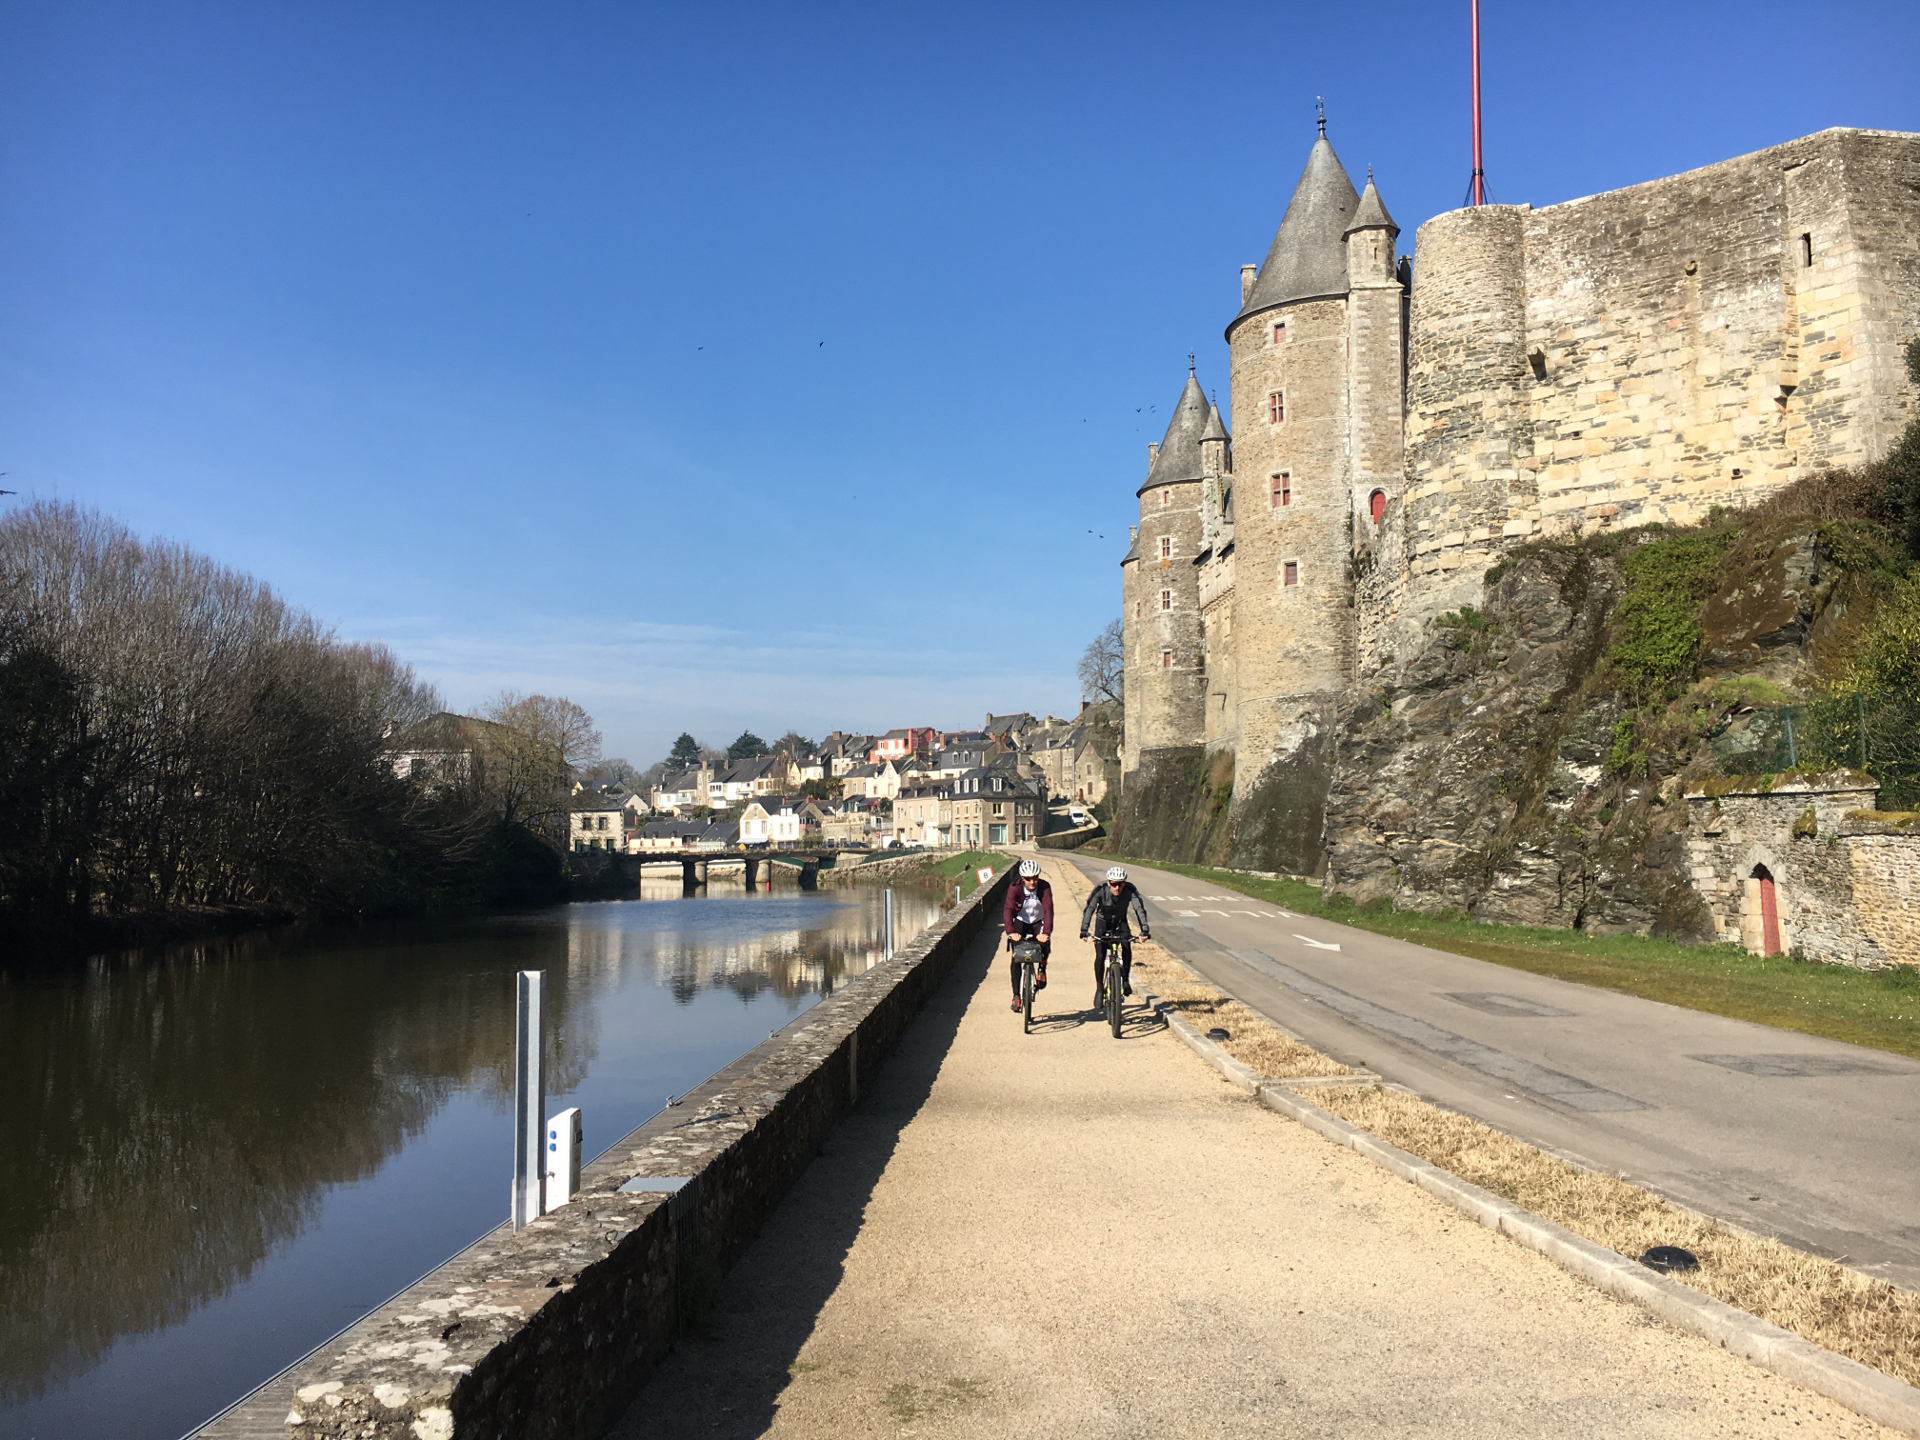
x,y
1113,979
1027,954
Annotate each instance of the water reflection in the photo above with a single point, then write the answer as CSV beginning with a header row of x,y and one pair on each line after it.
x,y
172,1122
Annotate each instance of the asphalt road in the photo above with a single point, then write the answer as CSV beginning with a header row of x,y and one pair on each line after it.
x,y
1809,1140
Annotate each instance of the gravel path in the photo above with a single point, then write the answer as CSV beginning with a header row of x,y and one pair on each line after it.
x,y
1066,1235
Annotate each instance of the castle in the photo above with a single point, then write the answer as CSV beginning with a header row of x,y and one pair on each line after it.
x,y
1636,356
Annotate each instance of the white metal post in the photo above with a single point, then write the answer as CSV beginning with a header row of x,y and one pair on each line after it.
x,y
563,1158
529,1098
886,938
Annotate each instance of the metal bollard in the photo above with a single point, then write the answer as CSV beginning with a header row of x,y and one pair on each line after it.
x,y
886,932
529,1098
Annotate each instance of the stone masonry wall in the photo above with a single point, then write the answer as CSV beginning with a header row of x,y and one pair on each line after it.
x,y
1645,354
549,1331
1795,830
1885,861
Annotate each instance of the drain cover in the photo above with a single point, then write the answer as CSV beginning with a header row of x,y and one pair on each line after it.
x,y
1670,1258
1218,1034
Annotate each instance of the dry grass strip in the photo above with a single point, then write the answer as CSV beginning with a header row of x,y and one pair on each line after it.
x,y
1252,1040
1818,1300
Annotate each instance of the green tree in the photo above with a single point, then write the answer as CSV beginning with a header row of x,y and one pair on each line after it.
x,y
685,752
746,747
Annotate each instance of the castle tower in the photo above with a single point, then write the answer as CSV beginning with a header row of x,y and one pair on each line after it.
x,y
1160,588
1316,395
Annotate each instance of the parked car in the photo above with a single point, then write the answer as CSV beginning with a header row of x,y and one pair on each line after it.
x,y
1078,816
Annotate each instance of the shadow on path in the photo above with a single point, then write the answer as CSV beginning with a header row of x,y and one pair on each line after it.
x,y
724,1377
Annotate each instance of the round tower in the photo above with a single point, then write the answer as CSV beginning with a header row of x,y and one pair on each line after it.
x,y
1165,695
1469,426
1289,353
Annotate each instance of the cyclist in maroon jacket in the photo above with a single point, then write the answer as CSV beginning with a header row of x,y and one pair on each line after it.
x,y
1029,916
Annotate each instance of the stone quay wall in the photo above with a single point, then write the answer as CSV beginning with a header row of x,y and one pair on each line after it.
x,y
1846,883
550,1331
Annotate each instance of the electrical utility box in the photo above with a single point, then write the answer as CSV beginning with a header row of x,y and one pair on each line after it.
x,y
563,1158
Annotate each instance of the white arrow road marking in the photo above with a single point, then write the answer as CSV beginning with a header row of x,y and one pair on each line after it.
x,y
1190,914
1316,944
1221,913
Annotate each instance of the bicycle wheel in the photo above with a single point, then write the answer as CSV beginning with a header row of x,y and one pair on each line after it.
x,y
1113,996
1026,998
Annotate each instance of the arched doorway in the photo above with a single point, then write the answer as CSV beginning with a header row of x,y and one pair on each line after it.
x,y
1769,907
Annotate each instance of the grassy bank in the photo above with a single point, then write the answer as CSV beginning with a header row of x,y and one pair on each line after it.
x,y
1880,1009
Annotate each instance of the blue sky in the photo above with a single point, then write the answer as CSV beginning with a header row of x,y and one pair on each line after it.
x,y
727,366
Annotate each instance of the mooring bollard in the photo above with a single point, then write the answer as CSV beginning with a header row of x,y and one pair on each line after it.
x,y
529,1098
886,933
563,1158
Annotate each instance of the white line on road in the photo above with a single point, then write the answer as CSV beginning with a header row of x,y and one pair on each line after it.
x,y
1316,944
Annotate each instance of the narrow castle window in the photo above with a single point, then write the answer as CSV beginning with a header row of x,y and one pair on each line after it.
x,y
1166,659
1166,547
1377,506
1806,251
1276,407
1166,599
1538,360
1138,607
1282,489
1292,576
1166,498
1280,332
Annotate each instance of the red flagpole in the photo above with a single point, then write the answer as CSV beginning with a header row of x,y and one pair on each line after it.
x,y
1477,191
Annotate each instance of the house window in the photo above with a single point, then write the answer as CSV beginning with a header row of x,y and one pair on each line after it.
x,y
1276,407
603,823
1292,575
1166,547
1166,599
1166,659
1282,489
1279,332
1166,498
1377,505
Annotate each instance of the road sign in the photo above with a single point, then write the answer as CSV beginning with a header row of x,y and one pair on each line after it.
x,y
983,874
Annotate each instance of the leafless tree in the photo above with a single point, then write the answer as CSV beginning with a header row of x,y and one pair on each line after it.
x,y
1103,664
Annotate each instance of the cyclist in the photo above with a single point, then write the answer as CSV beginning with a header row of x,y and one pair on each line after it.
x,y
1029,916
1106,917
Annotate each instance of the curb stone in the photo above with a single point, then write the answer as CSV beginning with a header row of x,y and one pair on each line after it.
x,y
1873,1394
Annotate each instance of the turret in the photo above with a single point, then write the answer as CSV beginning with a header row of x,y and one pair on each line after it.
x,y
1164,694
1291,620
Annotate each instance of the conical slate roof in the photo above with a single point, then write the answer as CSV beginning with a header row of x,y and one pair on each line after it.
x,y
1216,430
1179,455
1309,255
1372,214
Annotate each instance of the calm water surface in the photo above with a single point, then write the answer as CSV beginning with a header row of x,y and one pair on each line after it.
x,y
213,1157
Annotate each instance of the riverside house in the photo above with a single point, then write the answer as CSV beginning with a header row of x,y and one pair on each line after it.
x,y
770,822
993,807
597,822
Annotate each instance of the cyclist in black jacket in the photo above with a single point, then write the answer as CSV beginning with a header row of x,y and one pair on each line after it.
x,y
1106,917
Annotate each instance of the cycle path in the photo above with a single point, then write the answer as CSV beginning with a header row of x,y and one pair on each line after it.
x,y
1065,1235
1810,1140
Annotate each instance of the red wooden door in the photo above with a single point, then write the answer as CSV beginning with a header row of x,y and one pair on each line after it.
x,y
1769,917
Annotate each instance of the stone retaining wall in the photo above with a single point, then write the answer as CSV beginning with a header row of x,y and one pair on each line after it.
x,y
550,1331
1847,884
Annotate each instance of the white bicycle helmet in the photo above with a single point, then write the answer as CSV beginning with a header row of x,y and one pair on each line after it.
x,y
1029,867
1116,872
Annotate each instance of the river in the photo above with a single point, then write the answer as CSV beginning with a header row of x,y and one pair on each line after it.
x,y
215,1156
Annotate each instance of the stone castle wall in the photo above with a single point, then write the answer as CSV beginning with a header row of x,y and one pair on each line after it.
x,y
1648,353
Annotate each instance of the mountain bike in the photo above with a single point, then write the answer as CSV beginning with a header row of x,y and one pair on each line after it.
x,y
1027,954
1113,987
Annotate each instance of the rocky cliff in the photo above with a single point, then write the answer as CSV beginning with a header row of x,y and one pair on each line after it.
x,y
1525,765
